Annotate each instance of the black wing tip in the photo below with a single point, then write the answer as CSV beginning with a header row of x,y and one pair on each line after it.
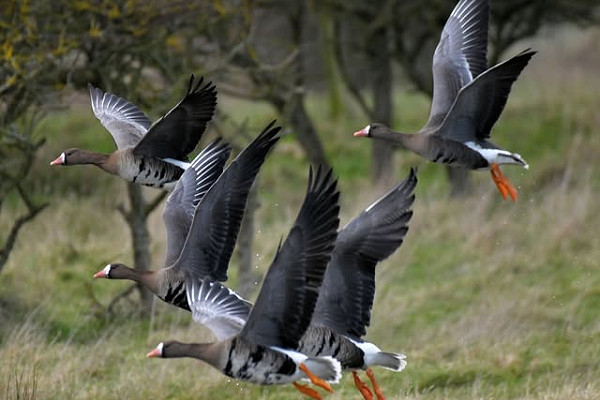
x,y
528,52
195,86
321,207
407,187
270,134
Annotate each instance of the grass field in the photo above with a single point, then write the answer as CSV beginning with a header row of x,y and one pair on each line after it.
x,y
488,299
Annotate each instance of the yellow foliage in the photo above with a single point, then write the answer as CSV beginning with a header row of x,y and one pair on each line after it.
x,y
114,13
95,30
81,5
174,42
10,81
219,7
7,50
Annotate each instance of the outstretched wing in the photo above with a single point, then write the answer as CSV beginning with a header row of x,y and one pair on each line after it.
x,y
189,191
348,289
218,308
126,123
178,132
479,104
459,57
289,292
217,219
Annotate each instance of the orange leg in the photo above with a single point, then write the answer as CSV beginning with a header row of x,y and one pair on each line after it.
x,y
362,387
504,186
310,392
376,387
315,379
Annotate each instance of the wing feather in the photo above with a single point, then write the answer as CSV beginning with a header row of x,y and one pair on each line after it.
x,y
189,191
218,308
213,233
459,57
177,133
348,289
480,103
285,304
126,123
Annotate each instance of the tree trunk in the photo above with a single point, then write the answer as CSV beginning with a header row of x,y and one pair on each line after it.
x,y
305,131
382,162
136,218
293,105
326,45
460,184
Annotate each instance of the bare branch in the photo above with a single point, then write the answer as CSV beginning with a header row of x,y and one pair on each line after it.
x,y
120,296
345,74
33,211
155,202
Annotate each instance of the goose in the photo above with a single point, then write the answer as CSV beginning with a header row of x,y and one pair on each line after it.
x,y
263,350
343,309
467,100
151,155
200,239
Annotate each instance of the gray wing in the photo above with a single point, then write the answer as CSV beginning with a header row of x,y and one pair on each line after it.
x,y
348,289
177,133
218,308
479,104
217,219
459,57
189,191
285,304
126,123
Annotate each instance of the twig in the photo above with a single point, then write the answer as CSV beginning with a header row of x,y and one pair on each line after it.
x,y
32,212
154,203
345,75
120,296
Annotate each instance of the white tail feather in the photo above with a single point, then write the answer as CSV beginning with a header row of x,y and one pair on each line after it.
x,y
327,368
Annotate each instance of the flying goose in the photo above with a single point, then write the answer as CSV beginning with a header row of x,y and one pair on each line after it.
x,y
343,310
200,239
151,155
262,352
467,100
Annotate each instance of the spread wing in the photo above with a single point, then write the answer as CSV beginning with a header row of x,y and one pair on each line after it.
x,y
177,133
348,289
126,123
189,191
480,103
217,219
459,57
218,308
285,304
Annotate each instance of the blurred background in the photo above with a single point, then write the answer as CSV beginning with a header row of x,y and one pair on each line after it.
x,y
489,299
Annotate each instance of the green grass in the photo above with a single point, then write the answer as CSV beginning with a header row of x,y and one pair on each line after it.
x,y
488,299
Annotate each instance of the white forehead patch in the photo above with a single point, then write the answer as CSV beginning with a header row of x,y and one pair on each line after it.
x,y
107,270
160,348
368,129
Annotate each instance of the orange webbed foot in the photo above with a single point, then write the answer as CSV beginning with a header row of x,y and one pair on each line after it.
x,y
362,387
504,186
376,387
315,379
310,392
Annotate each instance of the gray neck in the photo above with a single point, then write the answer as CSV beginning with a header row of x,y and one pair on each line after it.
x,y
146,278
207,352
